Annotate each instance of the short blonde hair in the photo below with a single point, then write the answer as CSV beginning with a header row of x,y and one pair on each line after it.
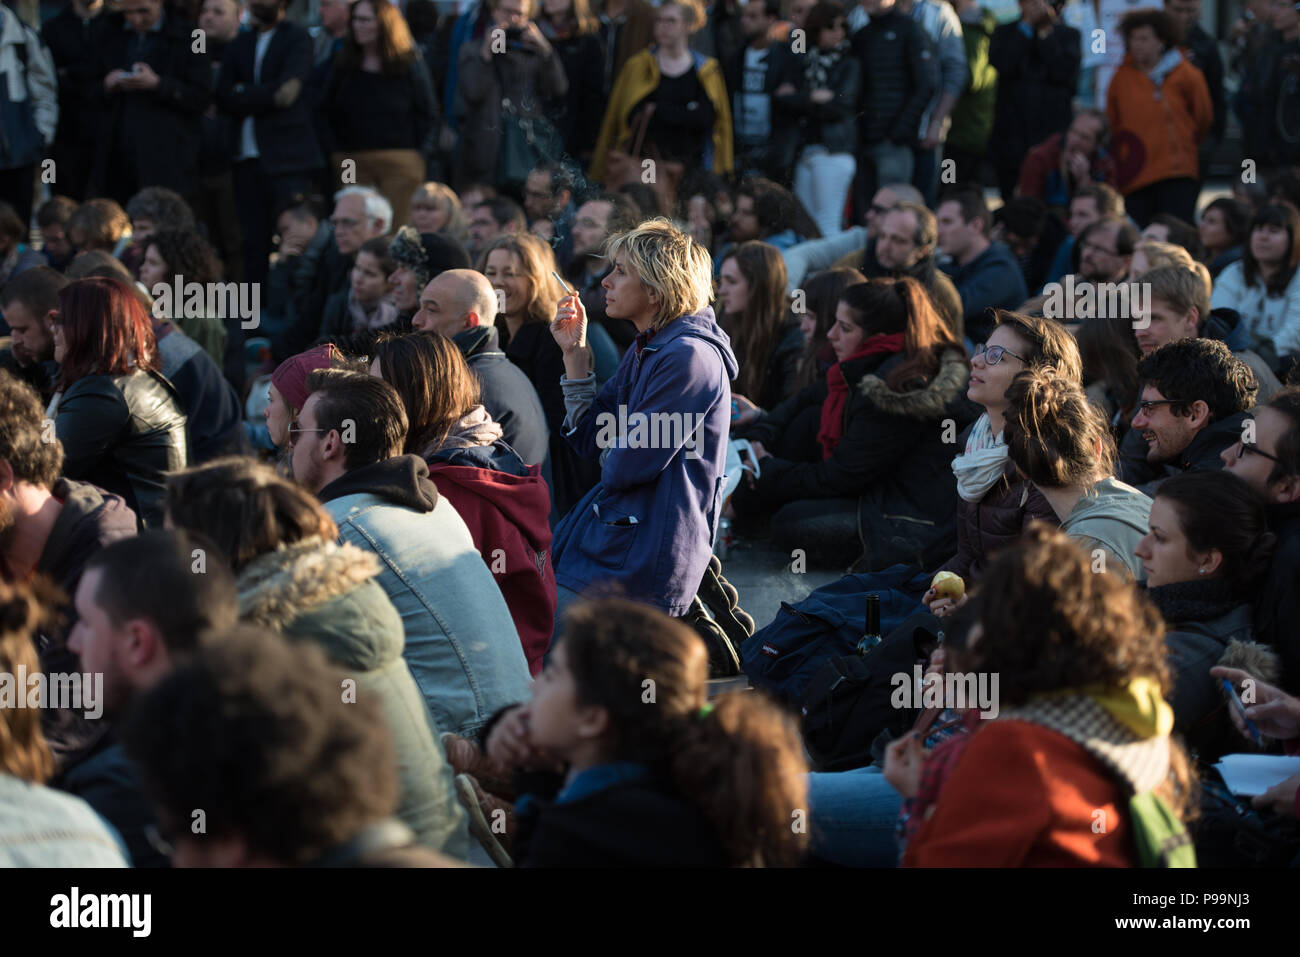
x,y
692,12
670,263
1164,254
444,198
1181,288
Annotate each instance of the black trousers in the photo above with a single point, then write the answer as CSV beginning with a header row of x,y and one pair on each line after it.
x,y
1175,196
258,195
17,189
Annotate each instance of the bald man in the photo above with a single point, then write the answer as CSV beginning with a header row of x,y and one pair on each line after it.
x,y
462,305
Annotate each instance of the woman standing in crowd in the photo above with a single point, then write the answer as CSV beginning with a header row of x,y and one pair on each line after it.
x,y
1061,443
119,420
186,256
504,503
756,312
294,576
40,826
1159,110
669,101
1264,285
650,524
1224,227
685,782
365,306
1082,724
882,464
815,109
435,208
520,269
528,75
1207,548
378,105
574,31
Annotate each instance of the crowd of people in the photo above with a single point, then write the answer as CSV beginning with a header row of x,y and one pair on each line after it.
x,y
380,397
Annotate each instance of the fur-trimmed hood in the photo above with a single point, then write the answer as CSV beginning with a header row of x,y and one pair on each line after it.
x,y
932,401
326,592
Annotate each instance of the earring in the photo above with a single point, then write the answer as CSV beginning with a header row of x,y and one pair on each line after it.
x,y
1202,571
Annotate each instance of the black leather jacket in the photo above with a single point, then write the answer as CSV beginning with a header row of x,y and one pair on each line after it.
x,y
123,432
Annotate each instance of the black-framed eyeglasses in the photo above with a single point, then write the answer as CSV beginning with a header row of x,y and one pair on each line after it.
x,y
296,430
993,354
1250,448
1147,405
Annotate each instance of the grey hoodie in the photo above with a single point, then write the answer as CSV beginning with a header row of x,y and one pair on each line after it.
x,y
1111,516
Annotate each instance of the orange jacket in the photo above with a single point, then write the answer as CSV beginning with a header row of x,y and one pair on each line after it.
x,y
1022,795
1155,132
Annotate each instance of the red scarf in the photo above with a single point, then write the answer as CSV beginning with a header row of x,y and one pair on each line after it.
x,y
837,397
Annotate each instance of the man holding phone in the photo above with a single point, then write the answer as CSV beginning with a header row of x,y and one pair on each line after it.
x,y
154,89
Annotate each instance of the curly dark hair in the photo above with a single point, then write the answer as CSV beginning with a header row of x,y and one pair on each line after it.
x,y
165,208
775,207
1287,403
253,730
1204,369
187,254
1167,30
742,765
26,441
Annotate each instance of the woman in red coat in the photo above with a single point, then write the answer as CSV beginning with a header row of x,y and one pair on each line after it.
x,y
504,503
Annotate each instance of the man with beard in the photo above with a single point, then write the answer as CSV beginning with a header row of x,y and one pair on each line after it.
x,y
50,526
28,302
1194,402
142,604
1106,250
275,151
597,219
905,244
856,246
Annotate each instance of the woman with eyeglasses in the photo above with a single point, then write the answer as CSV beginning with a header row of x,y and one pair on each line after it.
x,y
1207,548
882,463
1060,442
120,421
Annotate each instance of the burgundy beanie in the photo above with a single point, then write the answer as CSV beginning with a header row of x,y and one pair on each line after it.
x,y
290,376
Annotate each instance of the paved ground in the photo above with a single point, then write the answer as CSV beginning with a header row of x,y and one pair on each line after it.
x,y
763,577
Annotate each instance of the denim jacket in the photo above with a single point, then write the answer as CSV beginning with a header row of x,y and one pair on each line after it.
x,y
461,643
41,827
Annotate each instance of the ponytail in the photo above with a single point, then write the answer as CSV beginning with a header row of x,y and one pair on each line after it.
x,y
742,765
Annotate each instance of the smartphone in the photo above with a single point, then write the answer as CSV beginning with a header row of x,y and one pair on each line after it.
x,y
1241,710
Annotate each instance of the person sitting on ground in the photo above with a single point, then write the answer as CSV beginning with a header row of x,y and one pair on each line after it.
x,y
156,209
100,224
685,783
1194,402
492,219
1264,285
435,208
291,774
141,608
1153,254
16,257
985,273
1081,727
293,577
366,305
287,394
418,257
1060,442
756,311
1207,548
504,503
461,643
822,294
1268,459
120,422
1167,228
1033,235
170,257
1276,714
1088,205
462,305
1056,169
52,220
28,303
42,827
1223,229
883,460
1180,309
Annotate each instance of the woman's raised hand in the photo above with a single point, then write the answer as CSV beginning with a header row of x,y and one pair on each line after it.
x,y
569,327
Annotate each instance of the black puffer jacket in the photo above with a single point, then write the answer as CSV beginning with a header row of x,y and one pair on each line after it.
x,y
899,74
799,122
123,432
892,457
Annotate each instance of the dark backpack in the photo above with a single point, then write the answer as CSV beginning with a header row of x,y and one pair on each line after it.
x,y
849,701
783,657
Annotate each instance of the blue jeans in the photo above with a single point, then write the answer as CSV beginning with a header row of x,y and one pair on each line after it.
x,y
854,815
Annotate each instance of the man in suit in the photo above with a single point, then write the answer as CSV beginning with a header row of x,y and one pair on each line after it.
x,y
154,89
261,84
